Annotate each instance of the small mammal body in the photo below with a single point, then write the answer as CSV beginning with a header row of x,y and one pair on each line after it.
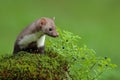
x,y
32,38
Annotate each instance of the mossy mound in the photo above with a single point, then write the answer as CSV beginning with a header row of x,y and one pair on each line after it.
x,y
50,66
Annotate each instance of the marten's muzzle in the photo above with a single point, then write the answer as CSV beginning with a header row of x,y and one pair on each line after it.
x,y
55,34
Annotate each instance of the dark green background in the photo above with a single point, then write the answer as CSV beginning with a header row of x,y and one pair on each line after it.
x,y
96,21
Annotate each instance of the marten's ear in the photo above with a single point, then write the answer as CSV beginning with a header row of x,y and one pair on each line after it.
x,y
53,18
42,21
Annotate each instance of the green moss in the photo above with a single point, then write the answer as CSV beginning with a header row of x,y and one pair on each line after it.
x,y
33,66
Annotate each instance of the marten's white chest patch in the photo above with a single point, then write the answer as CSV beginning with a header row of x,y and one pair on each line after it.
x,y
41,41
38,37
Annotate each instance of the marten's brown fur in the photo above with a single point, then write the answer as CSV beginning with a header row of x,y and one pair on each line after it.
x,y
32,38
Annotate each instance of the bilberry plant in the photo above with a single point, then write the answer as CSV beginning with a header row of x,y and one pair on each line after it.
x,y
83,64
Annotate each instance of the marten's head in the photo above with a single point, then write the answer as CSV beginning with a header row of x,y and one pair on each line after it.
x,y
47,26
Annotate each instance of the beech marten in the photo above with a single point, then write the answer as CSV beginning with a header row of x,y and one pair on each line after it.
x,y
32,38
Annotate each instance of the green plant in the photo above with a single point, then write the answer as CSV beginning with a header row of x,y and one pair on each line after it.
x,y
83,64
63,60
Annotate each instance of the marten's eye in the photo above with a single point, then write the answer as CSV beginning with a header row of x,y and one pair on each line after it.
x,y
50,29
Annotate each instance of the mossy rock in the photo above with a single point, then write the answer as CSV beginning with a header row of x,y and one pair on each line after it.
x,y
49,66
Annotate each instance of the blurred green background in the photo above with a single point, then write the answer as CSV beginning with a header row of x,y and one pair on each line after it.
x,y
96,21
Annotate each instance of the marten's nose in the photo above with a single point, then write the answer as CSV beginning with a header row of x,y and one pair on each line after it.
x,y
55,34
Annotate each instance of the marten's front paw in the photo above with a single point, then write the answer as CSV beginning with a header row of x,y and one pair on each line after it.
x,y
41,50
